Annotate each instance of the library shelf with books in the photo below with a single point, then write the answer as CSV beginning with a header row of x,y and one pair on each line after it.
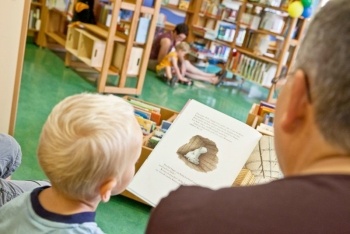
x,y
55,17
262,38
35,19
261,113
176,7
166,115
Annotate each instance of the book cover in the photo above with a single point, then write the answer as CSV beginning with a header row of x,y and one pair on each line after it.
x,y
202,147
142,30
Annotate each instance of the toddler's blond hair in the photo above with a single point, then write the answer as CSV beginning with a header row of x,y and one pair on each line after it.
x,y
184,46
87,139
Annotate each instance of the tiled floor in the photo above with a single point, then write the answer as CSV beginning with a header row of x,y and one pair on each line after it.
x,y
46,81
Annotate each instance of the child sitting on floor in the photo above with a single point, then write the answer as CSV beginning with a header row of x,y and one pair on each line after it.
x,y
169,66
88,149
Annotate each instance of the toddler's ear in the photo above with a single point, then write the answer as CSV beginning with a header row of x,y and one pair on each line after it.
x,y
106,189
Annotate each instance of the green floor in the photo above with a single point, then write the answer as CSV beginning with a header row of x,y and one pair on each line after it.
x,y
46,81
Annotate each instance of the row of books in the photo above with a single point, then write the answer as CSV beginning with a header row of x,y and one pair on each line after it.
x,y
181,4
219,51
200,52
150,121
34,21
268,21
266,112
158,134
104,17
148,116
227,10
261,116
249,68
61,5
274,3
226,32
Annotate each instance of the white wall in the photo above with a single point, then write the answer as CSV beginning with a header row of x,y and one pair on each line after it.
x,y
12,17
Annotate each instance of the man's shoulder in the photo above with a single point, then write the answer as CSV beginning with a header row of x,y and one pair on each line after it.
x,y
271,194
279,205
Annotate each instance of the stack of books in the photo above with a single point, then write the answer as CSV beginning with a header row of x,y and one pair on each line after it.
x,y
147,115
261,117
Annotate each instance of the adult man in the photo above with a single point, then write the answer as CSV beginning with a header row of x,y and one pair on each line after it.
x,y
165,42
312,139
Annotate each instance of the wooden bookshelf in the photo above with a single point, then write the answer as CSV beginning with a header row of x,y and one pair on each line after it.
x,y
35,19
94,46
284,40
175,7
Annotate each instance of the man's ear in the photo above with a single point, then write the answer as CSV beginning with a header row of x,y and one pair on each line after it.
x,y
295,110
106,189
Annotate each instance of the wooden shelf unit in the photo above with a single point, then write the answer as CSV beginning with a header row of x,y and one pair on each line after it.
x,y
55,29
198,20
54,32
36,7
120,45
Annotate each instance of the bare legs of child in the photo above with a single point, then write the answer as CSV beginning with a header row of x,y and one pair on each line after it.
x,y
172,78
196,74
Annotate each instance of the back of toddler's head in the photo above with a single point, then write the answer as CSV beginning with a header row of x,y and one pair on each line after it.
x,y
86,139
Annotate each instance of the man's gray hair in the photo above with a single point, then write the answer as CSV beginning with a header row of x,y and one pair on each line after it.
x,y
324,56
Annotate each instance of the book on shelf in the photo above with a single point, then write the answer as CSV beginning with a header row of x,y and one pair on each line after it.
x,y
147,115
34,21
142,30
61,5
263,112
104,13
202,147
184,4
148,3
219,52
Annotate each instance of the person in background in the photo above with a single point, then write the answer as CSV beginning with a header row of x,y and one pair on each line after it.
x,y
312,141
88,148
10,160
164,44
169,66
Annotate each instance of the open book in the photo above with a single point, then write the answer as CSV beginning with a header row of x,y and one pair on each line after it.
x,y
202,147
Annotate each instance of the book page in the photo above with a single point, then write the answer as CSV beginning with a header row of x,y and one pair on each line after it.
x,y
263,161
202,147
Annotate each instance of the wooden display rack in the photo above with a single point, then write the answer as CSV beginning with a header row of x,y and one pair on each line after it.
x,y
111,52
198,21
244,178
104,49
36,7
87,47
